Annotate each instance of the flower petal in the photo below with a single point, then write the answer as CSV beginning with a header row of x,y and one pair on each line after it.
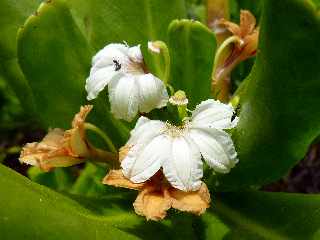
x,y
135,54
213,114
152,91
152,204
184,167
98,80
195,202
109,53
116,178
145,130
216,147
144,160
247,22
123,96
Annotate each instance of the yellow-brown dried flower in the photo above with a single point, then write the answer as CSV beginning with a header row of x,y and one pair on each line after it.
x,y
61,148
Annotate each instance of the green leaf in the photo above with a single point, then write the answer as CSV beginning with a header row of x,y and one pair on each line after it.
x,y
280,114
261,215
55,59
89,182
60,179
134,21
192,46
31,211
13,16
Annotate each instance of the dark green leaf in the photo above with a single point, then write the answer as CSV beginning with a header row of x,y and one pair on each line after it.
x,y
12,17
134,21
55,59
260,215
31,211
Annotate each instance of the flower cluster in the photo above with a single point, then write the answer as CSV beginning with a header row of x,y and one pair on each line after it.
x,y
162,160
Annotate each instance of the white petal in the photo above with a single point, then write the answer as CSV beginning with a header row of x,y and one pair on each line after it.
x,y
135,54
143,161
98,80
123,96
216,147
145,130
184,167
213,114
152,91
106,55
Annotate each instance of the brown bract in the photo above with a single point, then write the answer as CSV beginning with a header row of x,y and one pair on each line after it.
x,y
248,35
60,148
156,196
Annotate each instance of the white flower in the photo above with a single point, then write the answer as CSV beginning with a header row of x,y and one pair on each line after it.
x,y
177,149
131,89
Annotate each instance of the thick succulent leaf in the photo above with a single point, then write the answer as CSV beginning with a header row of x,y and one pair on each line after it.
x,y
192,46
134,21
12,17
261,215
55,59
57,66
280,114
31,211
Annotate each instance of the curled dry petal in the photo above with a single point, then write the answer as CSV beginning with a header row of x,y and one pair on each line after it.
x,y
152,204
195,202
60,148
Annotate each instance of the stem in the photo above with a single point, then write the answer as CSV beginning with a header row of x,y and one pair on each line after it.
x,y
99,155
171,89
232,39
162,47
166,56
182,110
104,136
221,81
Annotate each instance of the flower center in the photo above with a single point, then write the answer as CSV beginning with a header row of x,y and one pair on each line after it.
x,y
175,131
135,68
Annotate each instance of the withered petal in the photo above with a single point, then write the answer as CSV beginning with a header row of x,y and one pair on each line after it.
x,y
123,152
247,22
152,204
195,202
232,27
116,178
80,117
